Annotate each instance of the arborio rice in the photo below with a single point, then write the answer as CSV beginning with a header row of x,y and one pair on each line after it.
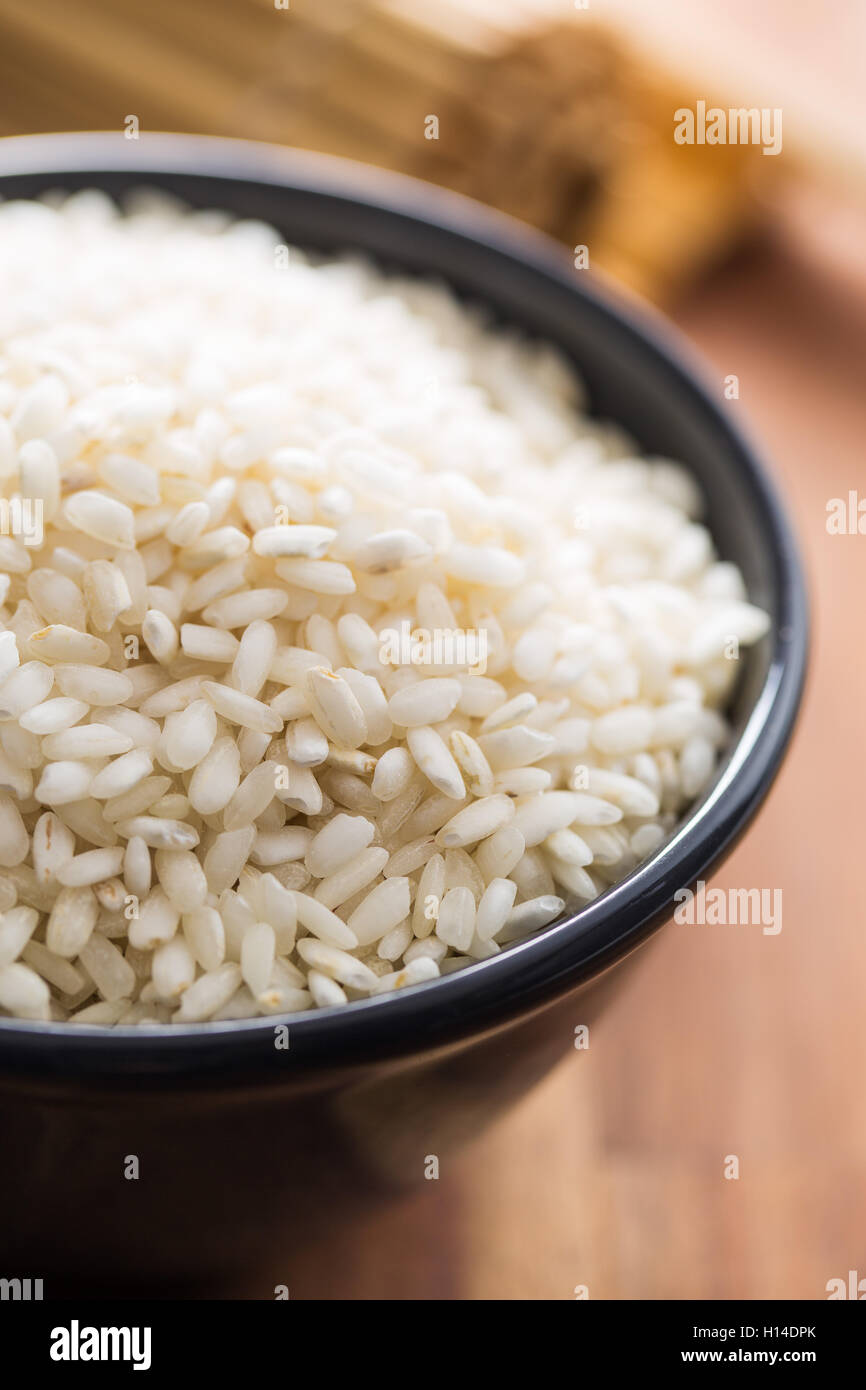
x,y
349,650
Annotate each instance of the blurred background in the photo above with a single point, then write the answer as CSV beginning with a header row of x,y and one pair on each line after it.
x,y
722,1041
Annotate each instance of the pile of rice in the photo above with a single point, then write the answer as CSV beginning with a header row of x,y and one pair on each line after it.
x,y
219,794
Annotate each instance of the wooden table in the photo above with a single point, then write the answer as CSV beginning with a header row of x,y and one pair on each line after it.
x,y
723,1041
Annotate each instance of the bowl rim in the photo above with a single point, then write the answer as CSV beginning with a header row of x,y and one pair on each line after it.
x,y
489,994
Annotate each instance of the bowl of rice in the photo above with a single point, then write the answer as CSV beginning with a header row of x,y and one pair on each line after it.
x,y
390,625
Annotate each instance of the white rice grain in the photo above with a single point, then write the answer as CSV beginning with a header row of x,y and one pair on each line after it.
x,y
226,791
455,924
241,709
53,846
25,687
50,716
122,774
383,907
23,993
89,868
335,708
427,702
71,921
344,883
495,907
14,840
476,822
529,916
336,843
16,928
208,993
324,923
173,970
435,761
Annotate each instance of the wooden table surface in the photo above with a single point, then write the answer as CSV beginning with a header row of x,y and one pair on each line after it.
x,y
722,1041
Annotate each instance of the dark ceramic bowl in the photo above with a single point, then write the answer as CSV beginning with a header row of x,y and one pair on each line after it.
x,y
248,1152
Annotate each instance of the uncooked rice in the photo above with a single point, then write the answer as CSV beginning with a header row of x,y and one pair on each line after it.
x,y
220,795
